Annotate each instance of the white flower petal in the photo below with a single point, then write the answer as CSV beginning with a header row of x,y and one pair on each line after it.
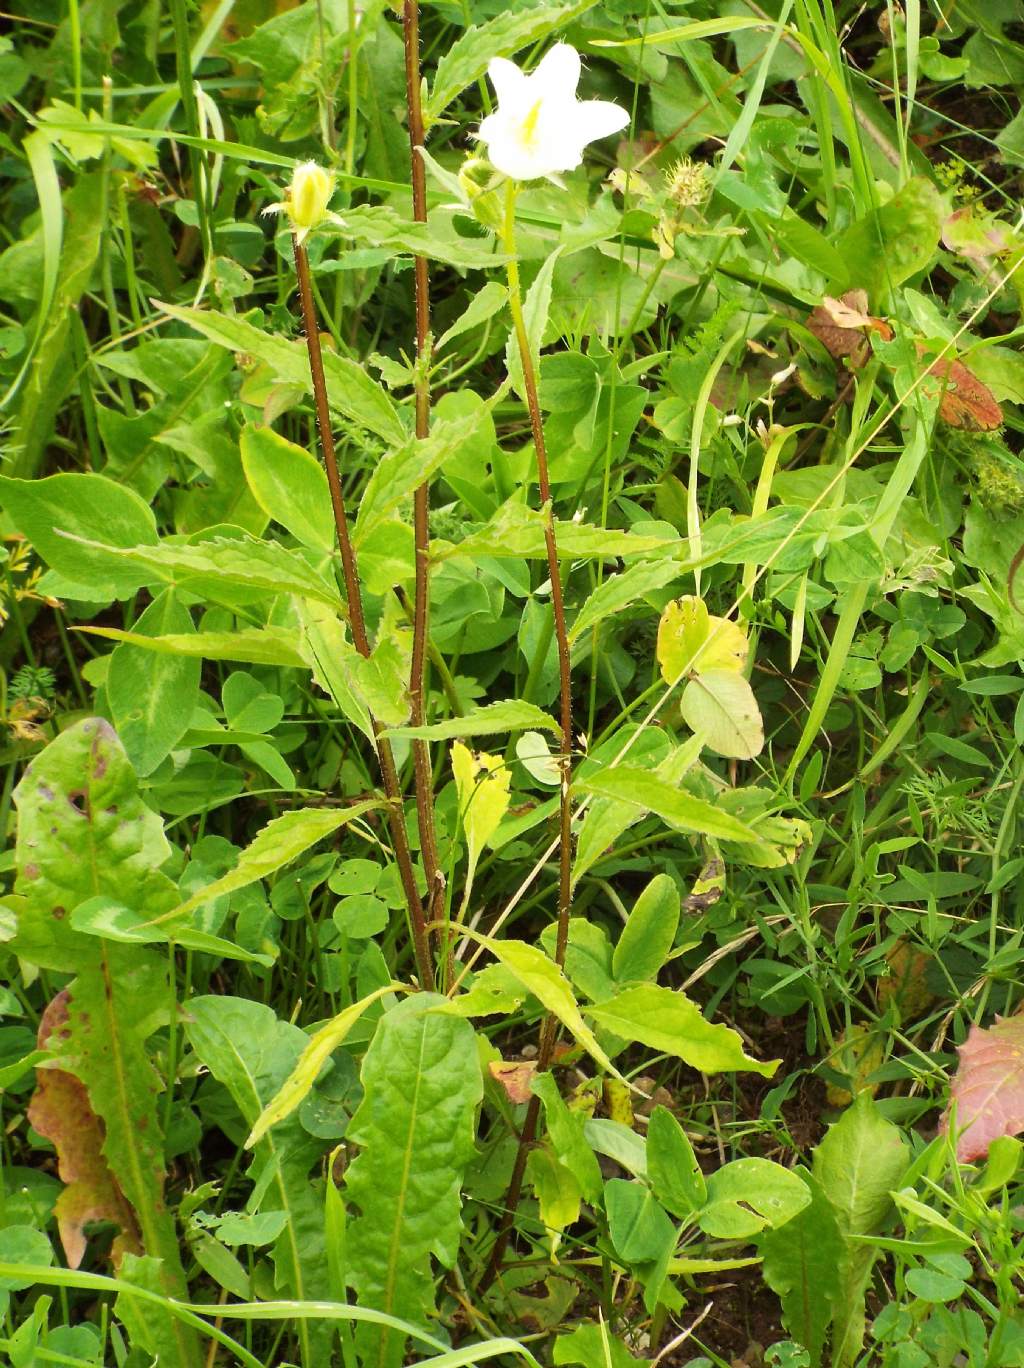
x,y
597,118
559,72
515,158
506,78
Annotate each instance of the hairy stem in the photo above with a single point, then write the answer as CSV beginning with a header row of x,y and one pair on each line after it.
x,y
423,771
549,1030
357,621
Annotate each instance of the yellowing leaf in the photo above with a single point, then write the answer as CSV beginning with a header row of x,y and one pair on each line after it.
x,y
320,1048
719,705
691,640
482,783
543,978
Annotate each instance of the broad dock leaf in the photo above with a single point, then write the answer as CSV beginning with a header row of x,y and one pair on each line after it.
x,y
415,1125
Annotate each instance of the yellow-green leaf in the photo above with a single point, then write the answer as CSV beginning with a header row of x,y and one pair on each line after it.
x,y
690,639
482,784
320,1048
720,706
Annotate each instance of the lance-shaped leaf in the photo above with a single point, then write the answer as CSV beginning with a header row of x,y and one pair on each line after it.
x,y
665,1019
314,1056
422,1084
60,1111
280,841
467,59
229,570
248,1049
988,1088
482,784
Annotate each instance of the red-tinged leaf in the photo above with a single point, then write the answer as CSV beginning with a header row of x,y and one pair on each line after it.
x,y
988,1089
514,1077
60,1111
965,402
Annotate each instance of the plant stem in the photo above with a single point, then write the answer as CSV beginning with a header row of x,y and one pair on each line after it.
x,y
357,621
421,500
549,1030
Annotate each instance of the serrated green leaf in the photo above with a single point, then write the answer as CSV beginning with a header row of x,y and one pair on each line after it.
x,y
250,645
483,305
511,715
216,567
406,466
468,57
665,1019
628,784
517,532
382,226
422,1082
351,392
619,591
330,654
281,841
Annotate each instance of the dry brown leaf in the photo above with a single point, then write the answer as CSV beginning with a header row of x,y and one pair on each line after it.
x,y
60,1111
514,1077
841,326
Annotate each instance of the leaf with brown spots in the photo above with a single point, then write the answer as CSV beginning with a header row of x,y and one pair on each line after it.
x,y
988,1089
61,1112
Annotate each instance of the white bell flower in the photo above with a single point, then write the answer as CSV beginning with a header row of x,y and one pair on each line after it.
x,y
539,127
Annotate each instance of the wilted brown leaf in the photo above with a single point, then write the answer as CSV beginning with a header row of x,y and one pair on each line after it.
x,y
514,1077
988,1089
842,325
61,1112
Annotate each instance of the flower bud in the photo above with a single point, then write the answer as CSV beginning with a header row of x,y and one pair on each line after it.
x,y
309,195
479,181
307,199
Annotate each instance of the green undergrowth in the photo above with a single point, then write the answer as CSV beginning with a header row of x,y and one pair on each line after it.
x,y
299,1067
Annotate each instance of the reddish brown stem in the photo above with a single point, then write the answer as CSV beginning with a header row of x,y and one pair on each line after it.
x,y
421,500
357,620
